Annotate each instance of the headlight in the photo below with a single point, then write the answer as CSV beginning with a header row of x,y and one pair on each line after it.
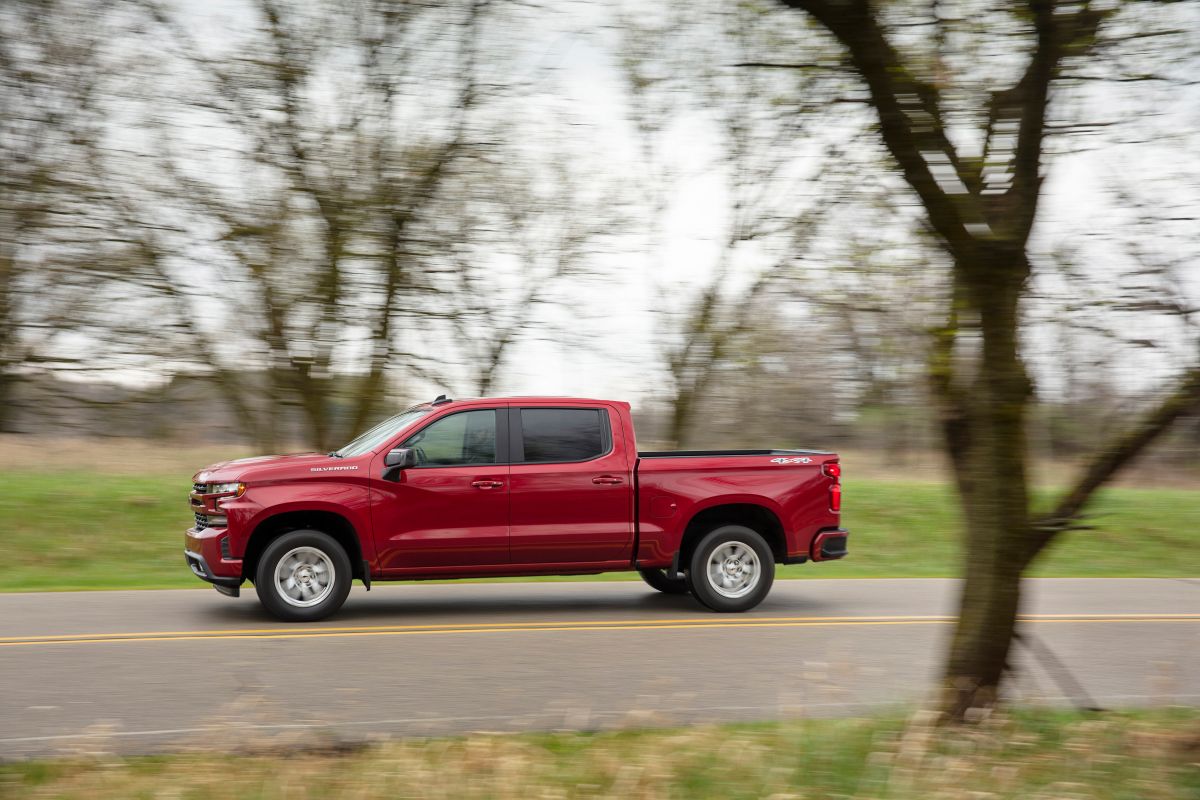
x,y
235,489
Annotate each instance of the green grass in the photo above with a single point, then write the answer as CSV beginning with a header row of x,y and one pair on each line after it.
x,y
77,531
1148,755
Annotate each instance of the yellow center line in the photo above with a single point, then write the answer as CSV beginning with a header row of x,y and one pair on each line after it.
x,y
561,625
556,623
460,626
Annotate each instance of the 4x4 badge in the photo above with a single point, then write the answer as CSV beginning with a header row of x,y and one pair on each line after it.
x,y
800,460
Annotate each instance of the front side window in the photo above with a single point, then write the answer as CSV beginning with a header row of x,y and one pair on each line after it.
x,y
563,434
468,437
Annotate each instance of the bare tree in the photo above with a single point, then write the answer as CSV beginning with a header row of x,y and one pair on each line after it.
x,y
334,128
521,225
982,204
686,91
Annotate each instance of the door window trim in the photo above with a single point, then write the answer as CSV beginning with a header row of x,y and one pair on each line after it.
x,y
502,438
516,437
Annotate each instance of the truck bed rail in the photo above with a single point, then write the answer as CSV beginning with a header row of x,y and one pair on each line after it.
x,y
719,453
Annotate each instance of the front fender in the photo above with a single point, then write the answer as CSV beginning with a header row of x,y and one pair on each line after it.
x,y
349,500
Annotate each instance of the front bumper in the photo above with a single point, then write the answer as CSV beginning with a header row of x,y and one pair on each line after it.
x,y
203,553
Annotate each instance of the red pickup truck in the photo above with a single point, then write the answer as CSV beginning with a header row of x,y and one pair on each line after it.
x,y
510,486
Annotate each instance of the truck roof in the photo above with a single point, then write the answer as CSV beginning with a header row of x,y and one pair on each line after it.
x,y
443,400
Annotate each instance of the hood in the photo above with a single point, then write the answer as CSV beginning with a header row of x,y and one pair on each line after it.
x,y
242,468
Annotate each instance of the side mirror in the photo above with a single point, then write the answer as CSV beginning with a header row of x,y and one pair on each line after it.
x,y
396,460
402,457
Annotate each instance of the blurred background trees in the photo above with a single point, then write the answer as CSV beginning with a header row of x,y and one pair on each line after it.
x,y
339,140
280,220
52,239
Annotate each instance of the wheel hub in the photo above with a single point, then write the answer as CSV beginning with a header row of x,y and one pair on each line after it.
x,y
733,569
304,577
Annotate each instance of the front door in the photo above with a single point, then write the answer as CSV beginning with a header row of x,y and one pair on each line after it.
x,y
572,496
451,510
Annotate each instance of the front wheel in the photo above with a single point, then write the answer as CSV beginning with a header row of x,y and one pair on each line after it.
x,y
731,569
658,579
303,576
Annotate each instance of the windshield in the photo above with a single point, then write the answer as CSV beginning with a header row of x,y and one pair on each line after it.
x,y
380,433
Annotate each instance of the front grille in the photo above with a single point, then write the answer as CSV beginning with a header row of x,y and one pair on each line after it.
x,y
197,505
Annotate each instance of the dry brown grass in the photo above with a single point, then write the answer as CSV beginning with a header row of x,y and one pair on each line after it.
x,y
1032,757
111,456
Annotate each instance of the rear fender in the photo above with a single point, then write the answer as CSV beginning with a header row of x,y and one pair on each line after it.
x,y
665,524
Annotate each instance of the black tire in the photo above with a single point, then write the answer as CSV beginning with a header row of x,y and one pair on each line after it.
x,y
300,548
657,578
737,542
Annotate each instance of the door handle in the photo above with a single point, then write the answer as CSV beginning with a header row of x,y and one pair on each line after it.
x,y
607,479
486,484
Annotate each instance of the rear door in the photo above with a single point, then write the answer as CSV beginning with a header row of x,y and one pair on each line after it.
x,y
571,492
451,510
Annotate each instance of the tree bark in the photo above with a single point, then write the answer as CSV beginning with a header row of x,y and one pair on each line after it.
x,y
992,483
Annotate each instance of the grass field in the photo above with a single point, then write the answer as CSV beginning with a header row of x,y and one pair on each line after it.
x,y
1131,756
77,530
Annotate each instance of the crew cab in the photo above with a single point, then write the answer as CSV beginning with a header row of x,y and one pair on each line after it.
x,y
506,487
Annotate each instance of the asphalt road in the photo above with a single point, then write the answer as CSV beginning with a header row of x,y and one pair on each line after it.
x,y
155,670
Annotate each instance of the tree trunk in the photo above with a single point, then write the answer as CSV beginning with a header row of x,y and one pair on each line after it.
x,y
7,415
680,422
992,485
311,392
8,380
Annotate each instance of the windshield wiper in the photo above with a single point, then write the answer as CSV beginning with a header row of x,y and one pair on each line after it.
x,y
334,454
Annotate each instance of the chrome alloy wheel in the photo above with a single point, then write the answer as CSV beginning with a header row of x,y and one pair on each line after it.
x,y
733,569
304,576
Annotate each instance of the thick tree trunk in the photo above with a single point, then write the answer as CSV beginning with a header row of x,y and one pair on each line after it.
x,y
988,608
992,483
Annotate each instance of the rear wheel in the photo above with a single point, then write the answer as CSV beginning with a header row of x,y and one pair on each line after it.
x,y
303,576
732,569
659,579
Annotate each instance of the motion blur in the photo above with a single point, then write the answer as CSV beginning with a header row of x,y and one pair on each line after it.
x,y
956,242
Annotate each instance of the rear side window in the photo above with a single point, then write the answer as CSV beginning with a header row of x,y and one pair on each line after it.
x,y
563,434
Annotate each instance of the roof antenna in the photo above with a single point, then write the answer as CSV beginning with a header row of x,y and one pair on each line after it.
x,y
441,399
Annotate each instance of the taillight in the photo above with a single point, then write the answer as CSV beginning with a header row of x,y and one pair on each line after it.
x,y
833,471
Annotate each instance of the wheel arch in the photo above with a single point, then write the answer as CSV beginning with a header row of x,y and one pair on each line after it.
x,y
755,516
328,522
